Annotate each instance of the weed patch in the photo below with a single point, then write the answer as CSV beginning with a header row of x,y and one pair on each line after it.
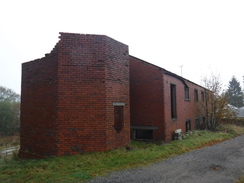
x,y
241,180
9,141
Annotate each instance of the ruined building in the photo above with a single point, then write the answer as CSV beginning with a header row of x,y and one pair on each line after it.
x,y
90,95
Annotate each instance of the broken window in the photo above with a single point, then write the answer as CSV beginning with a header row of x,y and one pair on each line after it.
x,y
173,101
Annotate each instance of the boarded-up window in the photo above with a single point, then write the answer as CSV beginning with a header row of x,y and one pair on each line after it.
x,y
118,118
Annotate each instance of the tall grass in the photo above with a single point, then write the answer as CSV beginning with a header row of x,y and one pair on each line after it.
x,y
241,180
8,141
83,167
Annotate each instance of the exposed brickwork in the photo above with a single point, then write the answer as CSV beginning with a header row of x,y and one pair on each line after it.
x,y
68,108
186,109
151,103
86,94
39,107
117,90
147,96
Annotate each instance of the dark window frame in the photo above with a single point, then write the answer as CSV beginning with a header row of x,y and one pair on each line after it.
x,y
188,125
143,134
187,93
202,96
173,101
118,116
195,95
197,123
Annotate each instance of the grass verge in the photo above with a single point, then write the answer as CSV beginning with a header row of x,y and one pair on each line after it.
x,y
83,167
241,180
8,141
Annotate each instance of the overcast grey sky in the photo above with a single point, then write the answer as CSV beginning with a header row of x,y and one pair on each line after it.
x,y
202,35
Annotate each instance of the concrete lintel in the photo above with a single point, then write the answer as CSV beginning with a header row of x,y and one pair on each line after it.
x,y
144,127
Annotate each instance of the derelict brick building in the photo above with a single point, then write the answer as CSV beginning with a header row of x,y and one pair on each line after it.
x,y
162,102
89,94
76,98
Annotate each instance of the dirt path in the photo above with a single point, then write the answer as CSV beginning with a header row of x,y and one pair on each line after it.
x,y
223,162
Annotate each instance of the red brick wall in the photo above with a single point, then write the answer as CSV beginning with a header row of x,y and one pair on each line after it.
x,y
86,93
81,92
38,107
117,90
186,110
90,73
146,93
151,103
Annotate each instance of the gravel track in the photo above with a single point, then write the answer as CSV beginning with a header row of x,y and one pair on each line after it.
x,y
220,163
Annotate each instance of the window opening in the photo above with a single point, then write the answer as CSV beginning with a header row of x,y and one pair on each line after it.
x,y
118,118
187,93
198,125
203,123
173,101
202,96
144,134
196,95
188,125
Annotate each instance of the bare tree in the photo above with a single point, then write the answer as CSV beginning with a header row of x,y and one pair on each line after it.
x,y
215,106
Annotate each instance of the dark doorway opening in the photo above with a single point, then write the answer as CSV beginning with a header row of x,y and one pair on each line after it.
x,y
144,134
118,118
188,125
